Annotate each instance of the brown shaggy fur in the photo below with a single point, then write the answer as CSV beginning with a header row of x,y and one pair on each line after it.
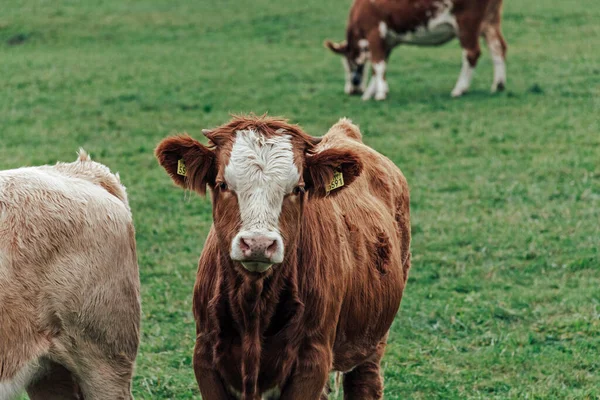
x,y
330,304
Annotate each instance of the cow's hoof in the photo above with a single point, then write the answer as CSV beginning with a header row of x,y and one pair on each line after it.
x,y
498,87
366,96
380,96
457,92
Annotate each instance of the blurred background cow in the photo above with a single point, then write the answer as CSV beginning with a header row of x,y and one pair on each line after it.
x,y
375,27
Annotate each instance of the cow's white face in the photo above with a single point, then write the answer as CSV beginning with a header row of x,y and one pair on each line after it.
x,y
261,172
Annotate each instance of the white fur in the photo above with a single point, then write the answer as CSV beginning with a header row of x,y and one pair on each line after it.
x,y
12,388
364,55
464,79
439,28
383,30
348,87
499,65
377,86
271,394
261,171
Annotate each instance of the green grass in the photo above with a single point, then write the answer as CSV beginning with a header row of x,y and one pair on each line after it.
x,y
503,299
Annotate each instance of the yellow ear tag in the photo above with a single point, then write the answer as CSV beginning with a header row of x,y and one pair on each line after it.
x,y
181,170
336,182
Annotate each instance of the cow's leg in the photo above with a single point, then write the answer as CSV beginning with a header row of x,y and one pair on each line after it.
x,y
210,385
311,375
104,377
365,382
468,28
378,87
497,46
56,383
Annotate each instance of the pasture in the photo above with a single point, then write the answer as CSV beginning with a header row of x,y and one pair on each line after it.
x,y
503,299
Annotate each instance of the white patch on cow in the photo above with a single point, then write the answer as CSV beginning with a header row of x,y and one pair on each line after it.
x,y
440,28
348,87
364,55
271,394
464,79
383,30
261,171
499,64
10,389
378,87
233,391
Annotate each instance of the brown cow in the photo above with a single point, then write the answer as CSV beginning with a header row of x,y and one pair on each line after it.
x,y
375,27
69,285
304,267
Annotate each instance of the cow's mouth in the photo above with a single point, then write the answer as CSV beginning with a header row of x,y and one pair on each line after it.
x,y
256,266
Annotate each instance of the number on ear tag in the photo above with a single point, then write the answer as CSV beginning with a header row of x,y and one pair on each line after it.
x,y
181,170
337,181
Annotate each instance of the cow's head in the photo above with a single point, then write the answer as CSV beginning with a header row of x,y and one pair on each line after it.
x,y
355,58
261,172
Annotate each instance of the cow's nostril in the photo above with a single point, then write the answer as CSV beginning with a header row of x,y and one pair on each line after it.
x,y
271,248
245,246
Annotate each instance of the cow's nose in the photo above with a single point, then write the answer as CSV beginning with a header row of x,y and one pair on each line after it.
x,y
258,248
356,79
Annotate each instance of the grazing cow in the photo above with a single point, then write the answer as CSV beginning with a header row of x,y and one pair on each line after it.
x,y
375,27
69,284
304,267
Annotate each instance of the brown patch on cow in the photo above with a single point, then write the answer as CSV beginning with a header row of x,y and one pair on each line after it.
x,y
382,252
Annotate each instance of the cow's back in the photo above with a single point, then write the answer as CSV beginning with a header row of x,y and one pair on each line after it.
x,y
371,237
68,269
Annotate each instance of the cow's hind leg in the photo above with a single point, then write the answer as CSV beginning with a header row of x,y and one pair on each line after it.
x,y
468,27
54,383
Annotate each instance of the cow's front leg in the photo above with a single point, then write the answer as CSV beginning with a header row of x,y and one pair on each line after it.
x,y
379,53
378,87
209,381
311,374
469,41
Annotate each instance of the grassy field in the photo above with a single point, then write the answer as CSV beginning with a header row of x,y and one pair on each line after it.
x,y
503,299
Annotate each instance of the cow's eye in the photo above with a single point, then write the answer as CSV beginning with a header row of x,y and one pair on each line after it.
x,y
223,186
299,190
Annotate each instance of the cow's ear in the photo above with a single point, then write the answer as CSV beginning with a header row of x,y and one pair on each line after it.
x,y
331,171
190,164
337,48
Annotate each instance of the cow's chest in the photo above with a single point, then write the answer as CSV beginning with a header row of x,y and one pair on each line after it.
x,y
271,376
437,29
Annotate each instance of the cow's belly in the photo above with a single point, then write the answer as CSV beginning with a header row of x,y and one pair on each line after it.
x,y
436,31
